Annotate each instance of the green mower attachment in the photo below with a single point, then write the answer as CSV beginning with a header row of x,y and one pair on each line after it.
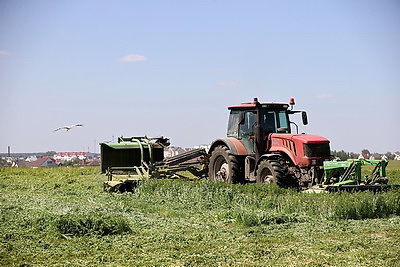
x,y
133,159
347,176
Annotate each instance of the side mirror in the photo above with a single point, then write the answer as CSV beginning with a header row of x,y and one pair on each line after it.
x,y
304,117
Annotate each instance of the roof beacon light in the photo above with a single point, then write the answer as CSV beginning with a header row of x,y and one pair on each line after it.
x,y
292,103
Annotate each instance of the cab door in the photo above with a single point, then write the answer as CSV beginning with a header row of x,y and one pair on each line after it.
x,y
246,130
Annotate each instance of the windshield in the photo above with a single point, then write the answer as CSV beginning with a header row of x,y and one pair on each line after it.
x,y
272,120
241,123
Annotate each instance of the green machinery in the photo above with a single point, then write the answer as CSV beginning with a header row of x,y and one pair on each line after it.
x,y
133,159
347,176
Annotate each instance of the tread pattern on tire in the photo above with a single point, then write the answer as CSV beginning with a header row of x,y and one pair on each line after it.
x,y
231,160
277,171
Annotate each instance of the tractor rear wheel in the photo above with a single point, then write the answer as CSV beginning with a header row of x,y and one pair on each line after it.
x,y
270,172
223,166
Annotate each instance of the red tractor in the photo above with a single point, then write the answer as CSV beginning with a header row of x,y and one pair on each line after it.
x,y
260,147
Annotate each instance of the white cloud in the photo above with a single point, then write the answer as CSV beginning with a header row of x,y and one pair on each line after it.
x,y
4,53
133,58
323,96
227,83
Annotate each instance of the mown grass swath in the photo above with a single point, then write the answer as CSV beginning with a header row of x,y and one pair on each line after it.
x,y
62,217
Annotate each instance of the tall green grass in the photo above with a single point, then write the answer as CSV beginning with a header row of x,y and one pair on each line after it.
x,y
91,224
393,172
61,217
255,204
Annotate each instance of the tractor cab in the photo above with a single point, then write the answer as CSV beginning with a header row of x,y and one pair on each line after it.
x,y
273,118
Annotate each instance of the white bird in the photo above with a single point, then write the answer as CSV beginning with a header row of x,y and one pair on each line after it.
x,y
68,127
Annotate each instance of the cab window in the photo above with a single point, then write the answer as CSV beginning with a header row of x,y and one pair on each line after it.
x,y
246,129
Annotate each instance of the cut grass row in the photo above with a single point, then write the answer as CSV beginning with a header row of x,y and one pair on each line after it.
x,y
62,217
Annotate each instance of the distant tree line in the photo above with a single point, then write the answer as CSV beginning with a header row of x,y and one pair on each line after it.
x,y
343,155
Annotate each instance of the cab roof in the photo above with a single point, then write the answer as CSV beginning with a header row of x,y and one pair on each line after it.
x,y
252,105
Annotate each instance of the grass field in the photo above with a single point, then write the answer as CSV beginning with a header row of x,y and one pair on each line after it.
x,y
61,217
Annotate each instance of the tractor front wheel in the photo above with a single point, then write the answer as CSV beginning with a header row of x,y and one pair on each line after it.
x,y
270,172
223,166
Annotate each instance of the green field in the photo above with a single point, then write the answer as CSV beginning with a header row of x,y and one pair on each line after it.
x,y
61,217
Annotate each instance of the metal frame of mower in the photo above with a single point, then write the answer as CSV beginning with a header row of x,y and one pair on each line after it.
x,y
133,159
347,176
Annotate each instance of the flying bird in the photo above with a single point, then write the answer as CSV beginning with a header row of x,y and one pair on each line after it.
x,y
68,127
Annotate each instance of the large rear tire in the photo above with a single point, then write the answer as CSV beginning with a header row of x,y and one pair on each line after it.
x,y
223,166
270,172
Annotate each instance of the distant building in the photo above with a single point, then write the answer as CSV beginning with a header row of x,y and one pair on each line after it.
x,y
173,151
18,163
31,158
206,147
62,157
93,163
43,162
40,162
363,156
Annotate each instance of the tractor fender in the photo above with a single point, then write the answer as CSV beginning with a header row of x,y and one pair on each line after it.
x,y
286,152
234,145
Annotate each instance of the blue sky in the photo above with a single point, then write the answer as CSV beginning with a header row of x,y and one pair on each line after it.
x,y
171,68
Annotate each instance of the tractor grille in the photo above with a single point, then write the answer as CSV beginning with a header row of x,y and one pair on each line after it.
x,y
317,150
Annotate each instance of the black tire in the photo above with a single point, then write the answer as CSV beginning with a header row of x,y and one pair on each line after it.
x,y
270,172
223,166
